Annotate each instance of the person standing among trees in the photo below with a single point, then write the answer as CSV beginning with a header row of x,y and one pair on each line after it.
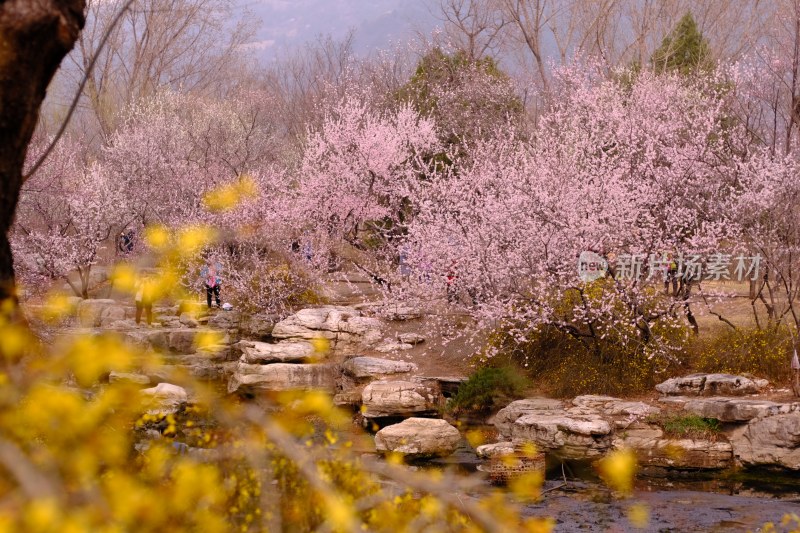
x,y
210,274
671,275
144,298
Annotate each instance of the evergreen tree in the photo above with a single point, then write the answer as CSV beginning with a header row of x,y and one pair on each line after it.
x,y
684,50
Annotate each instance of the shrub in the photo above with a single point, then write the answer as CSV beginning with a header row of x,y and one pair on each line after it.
x,y
761,352
612,357
487,389
562,366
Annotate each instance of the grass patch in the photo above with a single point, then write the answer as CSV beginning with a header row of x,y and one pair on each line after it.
x,y
687,426
487,389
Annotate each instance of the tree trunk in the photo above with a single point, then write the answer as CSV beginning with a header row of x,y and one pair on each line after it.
x,y
35,35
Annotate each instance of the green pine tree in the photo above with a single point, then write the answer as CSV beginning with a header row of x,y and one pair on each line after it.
x,y
684,50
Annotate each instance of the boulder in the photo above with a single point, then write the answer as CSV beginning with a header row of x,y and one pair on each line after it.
x,y
341,325
125,377
282,377
224,320
169,321
392,346
565,435
769,441
411,338
165,398
398,398
652,449
210,371
90,311
257,326
686,454
369,367
711,385
736,409
497,449
509,414
348,398
183,340
216,352
156,339
418,438
623,413
111,314
256,352
188,321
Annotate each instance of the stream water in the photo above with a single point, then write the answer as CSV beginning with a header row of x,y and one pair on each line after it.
x,y
719,502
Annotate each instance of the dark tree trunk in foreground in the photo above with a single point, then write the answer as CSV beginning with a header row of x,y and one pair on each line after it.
x,y
35,35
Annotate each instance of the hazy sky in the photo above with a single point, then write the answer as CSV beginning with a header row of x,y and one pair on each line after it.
x,y
289,23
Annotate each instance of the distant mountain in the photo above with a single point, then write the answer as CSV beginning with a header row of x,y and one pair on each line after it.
x,y
377,23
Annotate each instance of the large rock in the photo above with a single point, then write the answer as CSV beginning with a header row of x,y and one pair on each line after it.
x,y
411,338
184,340
509,414
257,326
256,352
497,449
90,312
652,449
224,320
711,385
687,454
164,398
418,438
187,320
282,377
773,441
392,346
398,398
369,367
622,413
341,325
130,378
156,339
736,409
113,314
565,435
217,352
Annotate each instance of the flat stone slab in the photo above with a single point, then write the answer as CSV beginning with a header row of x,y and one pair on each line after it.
x,y
128,377
418,438
392,346
509,414
398,398
611,406
567,436
497,449
335,323
652,449
367,367
256,352
727,409
711,385
282,377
